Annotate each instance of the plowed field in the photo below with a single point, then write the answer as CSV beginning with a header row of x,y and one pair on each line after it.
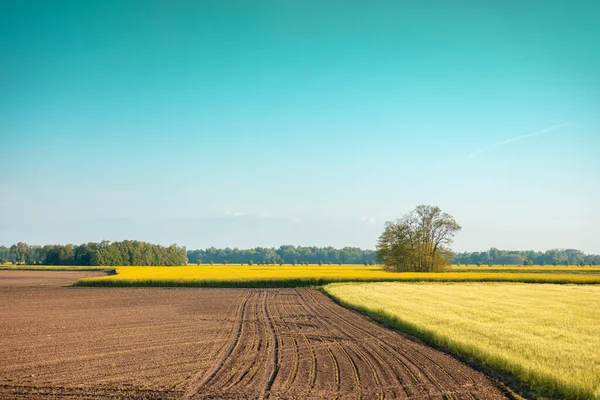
x,y
44,278
158,343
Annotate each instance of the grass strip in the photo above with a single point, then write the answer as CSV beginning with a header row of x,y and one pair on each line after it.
x,y
116,281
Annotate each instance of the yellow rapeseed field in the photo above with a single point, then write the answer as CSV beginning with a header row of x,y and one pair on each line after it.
x,y
537,268
546,335
305,275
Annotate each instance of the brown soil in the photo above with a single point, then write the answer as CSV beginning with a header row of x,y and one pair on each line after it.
x,y
152,343
44,278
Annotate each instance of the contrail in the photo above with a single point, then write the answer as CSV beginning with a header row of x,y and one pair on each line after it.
x,y
507,141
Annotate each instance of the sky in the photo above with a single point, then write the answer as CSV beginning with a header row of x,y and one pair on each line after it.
x,y
264,123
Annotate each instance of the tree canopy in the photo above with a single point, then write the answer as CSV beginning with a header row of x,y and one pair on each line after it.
x,y
132,252
494,256
284,254
420,241
127,252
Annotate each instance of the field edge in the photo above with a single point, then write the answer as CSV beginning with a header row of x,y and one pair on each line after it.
x,y
109,270
309,282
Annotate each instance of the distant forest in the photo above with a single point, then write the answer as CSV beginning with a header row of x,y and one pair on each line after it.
x,y
284,254
355,255
133,252
127,252
507,257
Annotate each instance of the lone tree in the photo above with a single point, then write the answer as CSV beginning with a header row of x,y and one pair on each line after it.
x,y
420,241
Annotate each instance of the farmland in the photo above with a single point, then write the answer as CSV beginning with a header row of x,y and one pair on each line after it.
x,y
44,278
163,343
547,336
313,275
259,319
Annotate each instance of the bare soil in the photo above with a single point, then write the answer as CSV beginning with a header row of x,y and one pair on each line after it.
x,y
44,278
171,343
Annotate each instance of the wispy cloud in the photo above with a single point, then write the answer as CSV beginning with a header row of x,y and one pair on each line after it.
x,y
234,214
516,139
366,219
263,215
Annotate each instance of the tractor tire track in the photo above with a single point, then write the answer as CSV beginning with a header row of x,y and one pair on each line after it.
x,y
422,364
196,384
350,357
312,375
274,347
326,344
289,334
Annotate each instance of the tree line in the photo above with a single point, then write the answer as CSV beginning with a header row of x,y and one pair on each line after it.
x,y
283,255
494,256
105,253
132,252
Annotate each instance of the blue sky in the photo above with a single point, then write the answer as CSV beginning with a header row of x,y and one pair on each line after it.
x,y
312,123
